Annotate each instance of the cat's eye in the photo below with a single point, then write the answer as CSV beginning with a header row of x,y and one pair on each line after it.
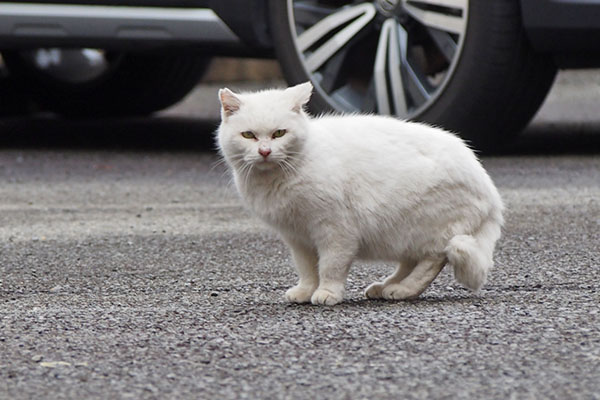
x,y
279,133
248,135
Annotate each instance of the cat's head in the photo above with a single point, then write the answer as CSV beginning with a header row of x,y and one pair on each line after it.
x,y
264,129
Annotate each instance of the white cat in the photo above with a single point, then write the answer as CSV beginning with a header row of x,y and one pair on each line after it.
x,y
338,188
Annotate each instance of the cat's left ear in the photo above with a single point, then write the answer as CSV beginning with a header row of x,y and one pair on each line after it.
x,y
300,95
230,102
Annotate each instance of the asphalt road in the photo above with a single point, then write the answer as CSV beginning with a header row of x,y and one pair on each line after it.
x,y
129,269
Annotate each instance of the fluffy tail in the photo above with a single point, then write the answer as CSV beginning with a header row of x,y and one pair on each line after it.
x,y
471,256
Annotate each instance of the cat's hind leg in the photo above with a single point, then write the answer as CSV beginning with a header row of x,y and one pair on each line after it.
x,y
375,290
306,262
417,281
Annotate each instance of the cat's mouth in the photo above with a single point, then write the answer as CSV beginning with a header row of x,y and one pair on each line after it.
x,y
265,164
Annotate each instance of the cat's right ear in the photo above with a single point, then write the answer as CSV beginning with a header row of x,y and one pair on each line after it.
x,y
230,102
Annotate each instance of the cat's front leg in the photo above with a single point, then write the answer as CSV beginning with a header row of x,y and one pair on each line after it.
x,y
334,265
306,262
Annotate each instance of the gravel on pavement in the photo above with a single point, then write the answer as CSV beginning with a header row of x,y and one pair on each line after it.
x,y
130,269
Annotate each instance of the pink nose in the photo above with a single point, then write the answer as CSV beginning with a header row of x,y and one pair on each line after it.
x,y
264,152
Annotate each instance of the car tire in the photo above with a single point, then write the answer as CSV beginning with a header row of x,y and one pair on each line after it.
x,y
13,102
492,82
134,84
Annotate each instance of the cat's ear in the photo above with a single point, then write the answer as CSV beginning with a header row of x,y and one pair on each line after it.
x,y
300,95
230,102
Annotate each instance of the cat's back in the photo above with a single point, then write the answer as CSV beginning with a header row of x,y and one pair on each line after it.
x,y
374,130
406,168
378,140
374,153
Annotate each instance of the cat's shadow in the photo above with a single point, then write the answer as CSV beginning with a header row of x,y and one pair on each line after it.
x,y
380,303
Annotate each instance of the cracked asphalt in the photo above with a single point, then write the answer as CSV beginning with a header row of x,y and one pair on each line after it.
x,y
130,269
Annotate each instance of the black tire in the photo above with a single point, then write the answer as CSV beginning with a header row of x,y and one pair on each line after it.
x,y
13,102
136,84
496,86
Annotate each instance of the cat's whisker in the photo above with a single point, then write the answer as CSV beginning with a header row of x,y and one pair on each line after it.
x,y
239,162
220,162
292,159
249,172
223,161
245,172
288,168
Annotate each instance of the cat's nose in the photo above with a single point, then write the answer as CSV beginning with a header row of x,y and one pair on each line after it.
x,y
264,152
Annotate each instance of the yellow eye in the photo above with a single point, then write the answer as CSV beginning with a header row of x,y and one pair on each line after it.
x,y
279,133
248,135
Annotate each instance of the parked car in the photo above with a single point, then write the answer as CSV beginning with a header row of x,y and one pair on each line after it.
x,y
478,67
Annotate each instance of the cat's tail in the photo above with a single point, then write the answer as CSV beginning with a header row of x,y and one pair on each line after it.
x,y
471,256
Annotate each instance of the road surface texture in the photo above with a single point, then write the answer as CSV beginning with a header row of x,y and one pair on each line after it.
x,y
130,269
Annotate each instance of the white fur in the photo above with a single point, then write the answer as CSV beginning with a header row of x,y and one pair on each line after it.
x,y
339,188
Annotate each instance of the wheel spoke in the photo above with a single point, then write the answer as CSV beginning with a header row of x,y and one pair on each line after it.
x,y
380,70
330,73
456,4
416,85
351,20
444,42
347,97
393,74
307,13
445,15
396,63
389,60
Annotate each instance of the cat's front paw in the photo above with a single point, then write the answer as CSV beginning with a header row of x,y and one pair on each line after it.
x,y
299,294
374,291
398,292
326,297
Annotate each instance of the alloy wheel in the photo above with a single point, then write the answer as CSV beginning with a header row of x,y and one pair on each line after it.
x,y
387,56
